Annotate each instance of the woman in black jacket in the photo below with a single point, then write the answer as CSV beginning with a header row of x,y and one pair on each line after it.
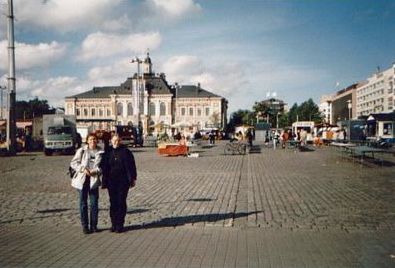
x,y
119,175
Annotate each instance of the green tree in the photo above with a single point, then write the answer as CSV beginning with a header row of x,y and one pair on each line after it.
x,y
240,117
32,108
309,111
293,114
215,119
264,109
283,120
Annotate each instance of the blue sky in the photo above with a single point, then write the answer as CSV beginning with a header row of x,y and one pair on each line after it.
x,y
240,50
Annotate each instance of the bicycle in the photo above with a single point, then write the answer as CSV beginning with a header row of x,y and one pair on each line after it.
x,y
235,147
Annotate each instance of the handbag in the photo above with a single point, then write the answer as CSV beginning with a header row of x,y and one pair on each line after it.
x,y
71,170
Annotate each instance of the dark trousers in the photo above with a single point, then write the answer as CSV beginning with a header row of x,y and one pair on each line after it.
x,y
93,204
118,192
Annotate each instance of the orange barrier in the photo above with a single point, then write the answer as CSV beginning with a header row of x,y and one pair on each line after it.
x,y
173,150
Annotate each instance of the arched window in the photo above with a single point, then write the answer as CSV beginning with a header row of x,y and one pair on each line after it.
x,y
93,112
85,112
130,109
119,108
162,108
152,108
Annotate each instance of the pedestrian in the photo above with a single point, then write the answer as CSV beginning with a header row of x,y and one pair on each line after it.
x,y
86,162
119,175
249,137
78,139
284,139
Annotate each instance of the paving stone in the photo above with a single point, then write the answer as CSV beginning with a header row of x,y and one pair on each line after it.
x,y
272,208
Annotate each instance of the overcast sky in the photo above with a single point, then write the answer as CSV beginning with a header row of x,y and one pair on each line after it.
x,y
240,50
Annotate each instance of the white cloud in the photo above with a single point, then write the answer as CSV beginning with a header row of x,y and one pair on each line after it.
x,y
53,89
175,7
64,15
77,15
32,55
181,68
220,78
111,75
122,23
102,45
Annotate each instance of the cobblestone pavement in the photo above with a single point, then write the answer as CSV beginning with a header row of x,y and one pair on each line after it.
x,y
269,208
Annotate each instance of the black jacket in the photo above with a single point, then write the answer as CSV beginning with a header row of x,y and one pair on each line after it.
x,y
127,159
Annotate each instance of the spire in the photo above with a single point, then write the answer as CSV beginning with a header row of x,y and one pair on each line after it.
x,y
147,64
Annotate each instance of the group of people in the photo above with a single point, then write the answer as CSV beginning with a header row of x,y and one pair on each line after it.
x,y
113,168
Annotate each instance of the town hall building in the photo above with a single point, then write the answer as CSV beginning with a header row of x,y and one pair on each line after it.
x,y
147,99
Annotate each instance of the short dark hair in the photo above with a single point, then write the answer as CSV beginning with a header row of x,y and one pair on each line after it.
x,y
91,135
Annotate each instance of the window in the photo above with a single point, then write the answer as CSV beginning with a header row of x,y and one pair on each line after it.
x,y
119,109
387,128
85,112
207,111
130,109
182,111
108,112
93,112
101,112
162,108
78,112
152,108
199,112
190,111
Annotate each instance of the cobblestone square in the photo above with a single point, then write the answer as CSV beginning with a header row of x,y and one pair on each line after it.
x,y
269,208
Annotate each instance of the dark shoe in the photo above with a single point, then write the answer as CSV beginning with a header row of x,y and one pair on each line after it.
x,y
94,230
85,230
119,229
112,229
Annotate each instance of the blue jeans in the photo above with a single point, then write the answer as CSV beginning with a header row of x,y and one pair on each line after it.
x,y
93,204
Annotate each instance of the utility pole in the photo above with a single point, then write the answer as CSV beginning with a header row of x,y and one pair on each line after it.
x,y
137,91
11,122
2,106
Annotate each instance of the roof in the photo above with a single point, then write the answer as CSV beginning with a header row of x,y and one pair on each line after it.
x,y
191,91
154,85
157,85
382,117
99,92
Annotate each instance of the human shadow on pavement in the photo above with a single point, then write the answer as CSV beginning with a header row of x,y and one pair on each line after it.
x,y
305,149
182,220
137,210
255,149
55,210
200,199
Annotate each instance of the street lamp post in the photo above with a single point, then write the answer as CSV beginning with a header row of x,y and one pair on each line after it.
x,y
2,106
138,88
277,120
11,119
349,106
177,86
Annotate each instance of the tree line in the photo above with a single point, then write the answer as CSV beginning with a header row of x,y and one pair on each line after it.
x,y
306,111
32,108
